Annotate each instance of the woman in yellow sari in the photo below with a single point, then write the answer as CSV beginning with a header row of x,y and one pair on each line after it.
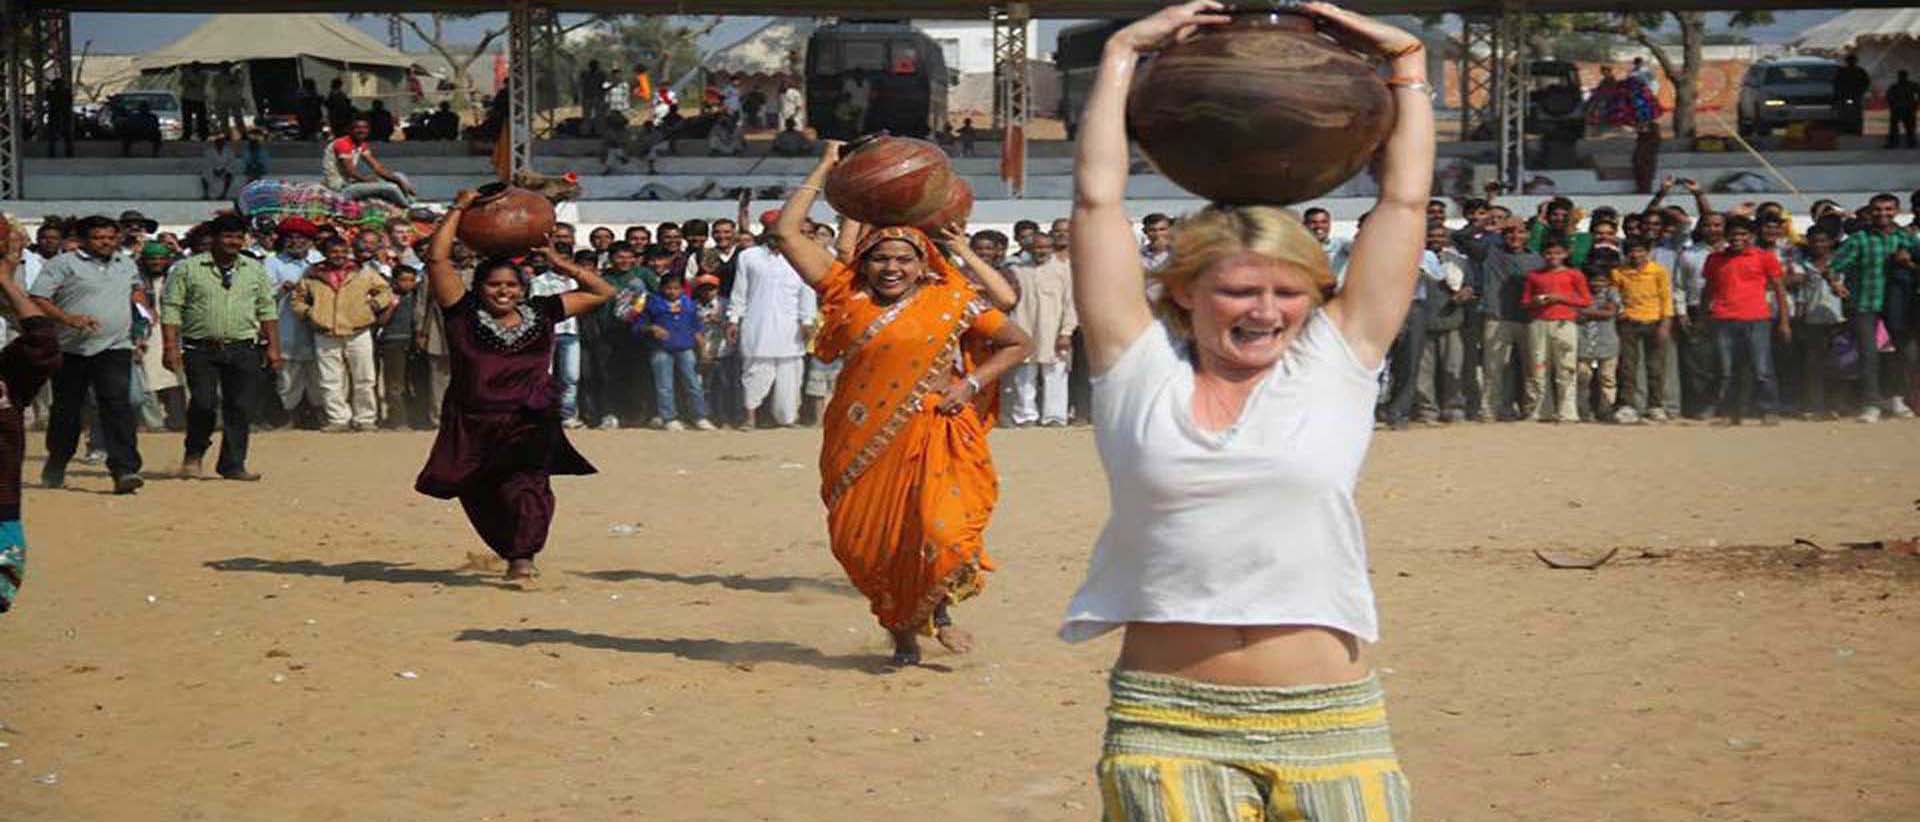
x,y
904,466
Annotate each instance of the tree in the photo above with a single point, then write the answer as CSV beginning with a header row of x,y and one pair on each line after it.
x,y
460,58
1644,27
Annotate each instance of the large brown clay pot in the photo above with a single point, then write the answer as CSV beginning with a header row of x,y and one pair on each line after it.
x,y
891,181
506,221
958,207
1264,109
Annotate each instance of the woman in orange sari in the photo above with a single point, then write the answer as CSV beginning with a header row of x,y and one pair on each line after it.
x,y
904,466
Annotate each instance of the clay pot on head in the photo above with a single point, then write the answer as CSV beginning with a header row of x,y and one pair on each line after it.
x,y
891,181
506,221
1264,109
958,207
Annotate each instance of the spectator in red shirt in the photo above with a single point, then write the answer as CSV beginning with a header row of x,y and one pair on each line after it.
x,y
1737,282
1554,296
342,163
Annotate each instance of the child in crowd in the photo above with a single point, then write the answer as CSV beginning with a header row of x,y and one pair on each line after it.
x,y
1818,315
25,365
719,354
1599,350
670,325
394,349
1554,296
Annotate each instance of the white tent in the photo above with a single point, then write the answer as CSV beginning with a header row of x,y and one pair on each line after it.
x,y
239,38
1887,41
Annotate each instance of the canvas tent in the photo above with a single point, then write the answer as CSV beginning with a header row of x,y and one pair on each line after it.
x,y
277,51
1887,40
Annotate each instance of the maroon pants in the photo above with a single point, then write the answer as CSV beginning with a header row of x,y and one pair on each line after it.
x,y
513,515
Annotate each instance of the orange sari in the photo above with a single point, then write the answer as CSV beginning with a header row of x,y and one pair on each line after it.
x,y
908,489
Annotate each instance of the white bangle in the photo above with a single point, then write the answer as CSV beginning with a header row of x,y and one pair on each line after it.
x,y
973,384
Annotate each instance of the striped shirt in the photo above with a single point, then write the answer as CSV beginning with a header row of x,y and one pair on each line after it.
x,y
1864,259
207,306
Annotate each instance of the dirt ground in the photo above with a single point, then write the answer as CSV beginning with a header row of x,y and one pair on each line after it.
x,y
313,648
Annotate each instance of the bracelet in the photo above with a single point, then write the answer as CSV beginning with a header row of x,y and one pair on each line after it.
x,y
1417,86
808,188
973,384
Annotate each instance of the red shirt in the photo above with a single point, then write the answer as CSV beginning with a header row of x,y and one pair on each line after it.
x,y
1567,284
1737,283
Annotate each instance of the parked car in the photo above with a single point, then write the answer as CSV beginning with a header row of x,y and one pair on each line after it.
x,y
164,104
1779,92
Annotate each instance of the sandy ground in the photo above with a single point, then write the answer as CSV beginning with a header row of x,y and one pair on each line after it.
x,y
311,648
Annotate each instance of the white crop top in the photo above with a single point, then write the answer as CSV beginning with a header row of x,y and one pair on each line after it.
x,y
1251,525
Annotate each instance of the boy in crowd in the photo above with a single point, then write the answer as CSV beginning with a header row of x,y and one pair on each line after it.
x,y
1599,351
1644,327
1554,294
1738,281
1500,279
395,347
719,354
1818,317
672,330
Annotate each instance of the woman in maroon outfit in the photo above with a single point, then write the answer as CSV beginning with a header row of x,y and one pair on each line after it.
x,y
500,438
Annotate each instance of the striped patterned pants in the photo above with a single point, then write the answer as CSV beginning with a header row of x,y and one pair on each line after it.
x,y
1184,751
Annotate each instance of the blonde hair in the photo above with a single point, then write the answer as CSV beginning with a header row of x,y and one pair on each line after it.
x,y
1217,232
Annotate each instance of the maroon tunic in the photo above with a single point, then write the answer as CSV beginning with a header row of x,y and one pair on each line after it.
x,y
501,415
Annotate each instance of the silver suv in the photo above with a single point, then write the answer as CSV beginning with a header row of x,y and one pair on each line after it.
x,y
1778,92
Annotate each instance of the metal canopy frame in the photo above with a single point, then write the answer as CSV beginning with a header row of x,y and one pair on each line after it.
x,y
1511,78
519,123
1013,83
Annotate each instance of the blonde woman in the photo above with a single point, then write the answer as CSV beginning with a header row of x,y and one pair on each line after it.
x,y
1233,416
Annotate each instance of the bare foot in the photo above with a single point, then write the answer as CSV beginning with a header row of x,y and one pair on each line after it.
x,y
521,570
954,639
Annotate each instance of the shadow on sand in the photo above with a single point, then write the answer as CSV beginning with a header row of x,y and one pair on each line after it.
x,y
398,573
705,650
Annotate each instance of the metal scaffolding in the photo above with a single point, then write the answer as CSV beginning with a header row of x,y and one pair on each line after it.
x,y
14,33
1478,95
1012,82
1511,79
520,23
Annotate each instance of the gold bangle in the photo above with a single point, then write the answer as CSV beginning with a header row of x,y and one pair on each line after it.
x,y
804,187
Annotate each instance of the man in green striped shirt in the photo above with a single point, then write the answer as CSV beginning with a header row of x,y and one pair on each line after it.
x,y
1867,258
216,310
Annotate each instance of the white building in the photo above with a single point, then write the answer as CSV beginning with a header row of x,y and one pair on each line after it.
x,y
967,45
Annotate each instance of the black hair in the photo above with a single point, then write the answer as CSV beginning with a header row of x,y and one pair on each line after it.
x,y
327,241
673,278
1024,225
1741,224
662,228
567,226
1155,217
1884,197
1553,242
1308,214
992,236
1558,204
1474,204
491,264
654,251
724,221
88,225
1637,242
619,246
403,268
225,223
1593,224
692,228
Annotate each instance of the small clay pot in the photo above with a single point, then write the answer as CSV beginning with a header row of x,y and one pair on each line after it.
x,y
506,221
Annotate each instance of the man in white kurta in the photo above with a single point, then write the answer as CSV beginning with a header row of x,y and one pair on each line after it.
x,y
772,311
1045,312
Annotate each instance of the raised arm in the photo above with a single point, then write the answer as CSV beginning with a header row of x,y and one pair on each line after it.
x,y
847,241
442,280
594,290
1106,262
807,256
993,284
1381,269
